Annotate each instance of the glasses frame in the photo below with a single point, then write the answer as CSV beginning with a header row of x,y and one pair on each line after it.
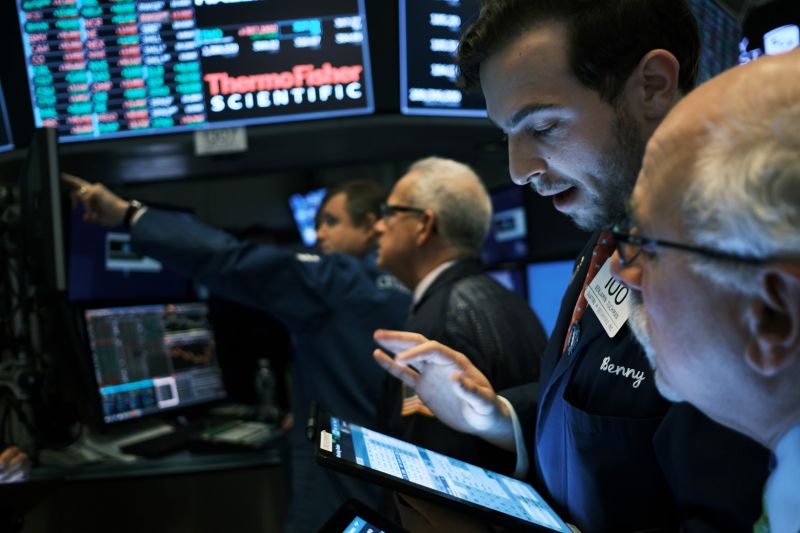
x,y
651,245
389,210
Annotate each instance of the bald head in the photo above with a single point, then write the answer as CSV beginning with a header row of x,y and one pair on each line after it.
x,y
722,174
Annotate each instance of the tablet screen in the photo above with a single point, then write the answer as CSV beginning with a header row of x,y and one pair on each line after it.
x,y
359,525
451,478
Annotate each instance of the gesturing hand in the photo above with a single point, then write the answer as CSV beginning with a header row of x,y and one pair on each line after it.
x,y
449,384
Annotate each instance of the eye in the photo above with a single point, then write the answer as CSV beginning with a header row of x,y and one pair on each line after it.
x,y
543,130
327,220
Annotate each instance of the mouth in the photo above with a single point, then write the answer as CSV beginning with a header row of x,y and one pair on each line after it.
x,y
563,199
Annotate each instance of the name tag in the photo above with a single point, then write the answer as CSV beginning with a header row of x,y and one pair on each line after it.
x,y
609,300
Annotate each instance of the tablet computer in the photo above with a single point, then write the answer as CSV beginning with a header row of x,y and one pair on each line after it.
x,y
420,472
355,517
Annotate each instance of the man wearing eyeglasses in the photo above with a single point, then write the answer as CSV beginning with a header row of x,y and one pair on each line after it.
x,y
578,86
711,255
432,228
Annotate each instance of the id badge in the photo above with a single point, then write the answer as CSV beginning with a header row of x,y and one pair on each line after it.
x,y
609,299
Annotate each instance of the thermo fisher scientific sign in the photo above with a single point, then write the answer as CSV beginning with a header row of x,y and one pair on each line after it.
x,y
117,68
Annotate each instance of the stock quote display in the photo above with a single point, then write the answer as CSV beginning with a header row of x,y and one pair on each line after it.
x,y
429,36
151,358
117,68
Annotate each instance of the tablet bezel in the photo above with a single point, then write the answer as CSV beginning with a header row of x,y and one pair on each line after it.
x,y
328,459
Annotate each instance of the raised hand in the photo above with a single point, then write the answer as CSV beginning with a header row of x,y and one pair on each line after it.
x,y
101,206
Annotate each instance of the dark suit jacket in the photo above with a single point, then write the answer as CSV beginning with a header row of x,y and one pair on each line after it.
x,y
470,312
613,457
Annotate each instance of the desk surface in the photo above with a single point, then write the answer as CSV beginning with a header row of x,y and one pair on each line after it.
x,y
183,462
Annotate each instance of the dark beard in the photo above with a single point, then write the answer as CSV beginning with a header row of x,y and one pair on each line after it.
x,y
618,170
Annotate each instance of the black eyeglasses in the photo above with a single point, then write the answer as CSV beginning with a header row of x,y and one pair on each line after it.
x,y
388,210
630,245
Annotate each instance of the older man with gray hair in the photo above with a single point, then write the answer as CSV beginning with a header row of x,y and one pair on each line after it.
x,y
713,251
431,233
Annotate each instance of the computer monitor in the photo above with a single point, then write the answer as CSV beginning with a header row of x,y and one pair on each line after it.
x,y
770,29
6,140
547,282
152,358
42,224
429,35
508,235
719,35
512,279
104,267
120,69
304,210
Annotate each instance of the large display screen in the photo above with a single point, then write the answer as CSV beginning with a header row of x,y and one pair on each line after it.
x,y
719,34
429,35
104,267
304,210
547,283
117,68
508,237
6,142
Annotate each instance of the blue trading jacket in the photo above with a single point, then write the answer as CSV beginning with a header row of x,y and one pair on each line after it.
x,y
331,304
611,454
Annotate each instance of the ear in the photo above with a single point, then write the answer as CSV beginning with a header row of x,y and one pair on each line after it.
x,y
775,321
653,85
369,224
427,227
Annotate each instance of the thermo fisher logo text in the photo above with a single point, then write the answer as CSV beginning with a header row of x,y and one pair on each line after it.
x,y
301,84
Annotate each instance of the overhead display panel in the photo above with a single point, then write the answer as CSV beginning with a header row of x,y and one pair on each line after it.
x,y
429,36
118,68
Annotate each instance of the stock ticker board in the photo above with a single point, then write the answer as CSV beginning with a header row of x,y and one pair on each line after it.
x,y
118,68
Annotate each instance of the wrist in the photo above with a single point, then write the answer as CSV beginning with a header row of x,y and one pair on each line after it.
x,y
133,206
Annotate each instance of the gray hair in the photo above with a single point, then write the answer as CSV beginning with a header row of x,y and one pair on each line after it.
x,y
456,194
745,195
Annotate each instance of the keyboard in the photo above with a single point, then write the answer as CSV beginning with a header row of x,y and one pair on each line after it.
x,y
236,435
162,444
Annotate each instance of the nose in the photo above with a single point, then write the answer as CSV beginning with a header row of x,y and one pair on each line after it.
x,y
380,226
322,233
524,162
630,275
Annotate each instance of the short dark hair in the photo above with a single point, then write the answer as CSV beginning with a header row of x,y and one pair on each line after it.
x,y
606,39
363,197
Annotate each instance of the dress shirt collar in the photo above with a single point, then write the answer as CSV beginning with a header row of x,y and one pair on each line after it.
x,y
428,279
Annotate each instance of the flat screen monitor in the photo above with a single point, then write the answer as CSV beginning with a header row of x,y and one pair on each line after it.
x,y
429,36
6,140
104,267
152,358
770,29
719,35
304,210
547,283
42,223
119,68
508,235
